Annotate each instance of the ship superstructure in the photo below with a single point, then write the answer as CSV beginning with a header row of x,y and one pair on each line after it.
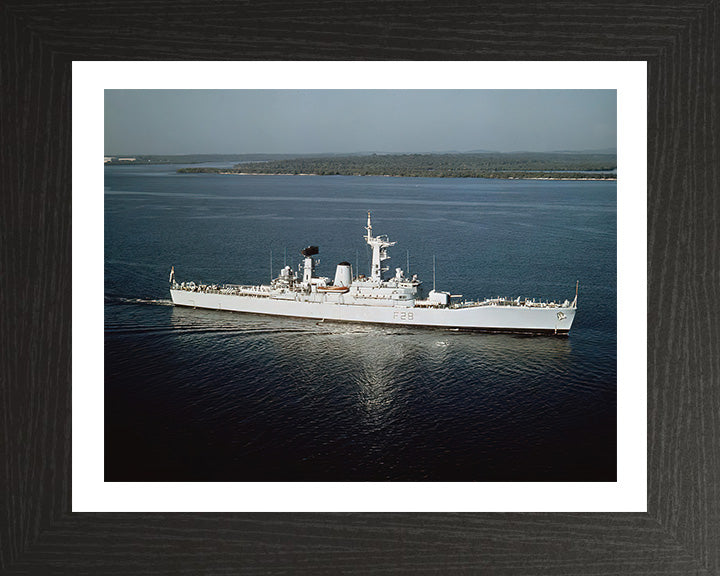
x,y
374,299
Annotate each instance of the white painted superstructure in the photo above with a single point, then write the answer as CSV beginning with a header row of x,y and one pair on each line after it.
x,y
373,299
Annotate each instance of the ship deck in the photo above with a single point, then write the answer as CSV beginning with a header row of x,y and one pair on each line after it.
x,y
262,291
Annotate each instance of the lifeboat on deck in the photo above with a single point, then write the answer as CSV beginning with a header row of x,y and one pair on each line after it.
x,y
333,289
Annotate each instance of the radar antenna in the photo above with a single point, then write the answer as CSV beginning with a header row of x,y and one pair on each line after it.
x,y
309,264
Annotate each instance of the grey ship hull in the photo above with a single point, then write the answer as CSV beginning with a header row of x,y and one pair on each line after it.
x,y
489,317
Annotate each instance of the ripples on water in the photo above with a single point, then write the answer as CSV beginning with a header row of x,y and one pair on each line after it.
x,y
217,396
228,396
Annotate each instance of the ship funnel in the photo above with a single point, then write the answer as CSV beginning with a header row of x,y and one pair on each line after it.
x,y
343,276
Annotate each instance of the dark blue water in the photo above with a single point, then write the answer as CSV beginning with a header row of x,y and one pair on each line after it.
x,y
216,396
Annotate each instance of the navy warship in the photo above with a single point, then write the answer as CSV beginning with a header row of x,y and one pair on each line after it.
x,y
396,300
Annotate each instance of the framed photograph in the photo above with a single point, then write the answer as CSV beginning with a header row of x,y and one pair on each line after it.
x,y
413,390
655,514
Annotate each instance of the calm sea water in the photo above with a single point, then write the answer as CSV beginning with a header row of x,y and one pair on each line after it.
x,y
217,396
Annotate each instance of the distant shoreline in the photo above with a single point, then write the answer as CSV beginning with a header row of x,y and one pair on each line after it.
x,y
496,177
515,166
504,166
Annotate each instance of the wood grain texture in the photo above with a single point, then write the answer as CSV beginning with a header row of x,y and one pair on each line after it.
x,y
681,532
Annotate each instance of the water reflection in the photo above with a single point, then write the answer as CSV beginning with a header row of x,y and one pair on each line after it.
x,y
374,369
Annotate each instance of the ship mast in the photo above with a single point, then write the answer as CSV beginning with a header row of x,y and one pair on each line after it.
x,y
433,272
574,302
379,245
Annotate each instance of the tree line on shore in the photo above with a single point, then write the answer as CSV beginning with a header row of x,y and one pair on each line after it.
x,y
477,165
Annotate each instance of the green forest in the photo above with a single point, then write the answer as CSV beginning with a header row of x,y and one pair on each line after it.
x,y
469,165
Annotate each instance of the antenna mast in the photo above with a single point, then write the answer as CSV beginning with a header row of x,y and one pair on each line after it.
x,y
433,272
577,284
379,245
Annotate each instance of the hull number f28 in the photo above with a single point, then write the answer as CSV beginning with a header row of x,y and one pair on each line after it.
x,y
403,315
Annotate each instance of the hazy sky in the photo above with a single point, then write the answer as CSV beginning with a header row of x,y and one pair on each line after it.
x,y
318,121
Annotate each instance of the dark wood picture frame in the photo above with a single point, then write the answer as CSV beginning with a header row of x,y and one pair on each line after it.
x,y
680,533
